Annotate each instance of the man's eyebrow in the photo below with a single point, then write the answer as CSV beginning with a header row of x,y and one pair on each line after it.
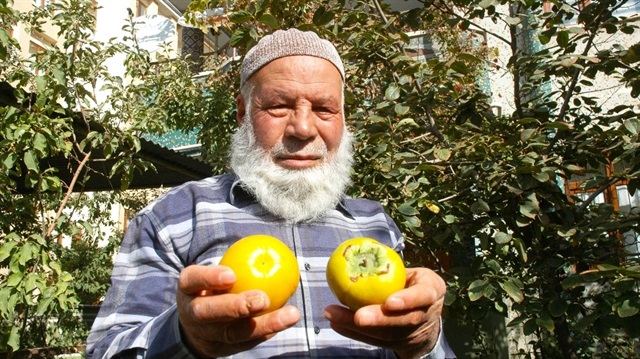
x,y
275,94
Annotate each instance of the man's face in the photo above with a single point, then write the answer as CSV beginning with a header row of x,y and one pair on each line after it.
x,y
292,150
296,111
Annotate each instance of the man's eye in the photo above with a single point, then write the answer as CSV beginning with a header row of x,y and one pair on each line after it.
x,y
277,110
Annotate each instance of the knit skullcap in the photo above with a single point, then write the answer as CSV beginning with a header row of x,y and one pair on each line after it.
x,y
288,43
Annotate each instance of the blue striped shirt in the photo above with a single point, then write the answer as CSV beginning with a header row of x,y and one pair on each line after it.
x,y
194,224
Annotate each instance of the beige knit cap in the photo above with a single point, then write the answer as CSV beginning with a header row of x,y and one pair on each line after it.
x,y
288,43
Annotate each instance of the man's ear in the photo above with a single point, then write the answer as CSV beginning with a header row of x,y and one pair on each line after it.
x,y
240,110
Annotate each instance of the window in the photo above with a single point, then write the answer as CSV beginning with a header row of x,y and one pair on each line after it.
x,y
421,47
128,216
141,8
36,51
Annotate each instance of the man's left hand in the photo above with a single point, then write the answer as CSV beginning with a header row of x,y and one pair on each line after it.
x,y
408,322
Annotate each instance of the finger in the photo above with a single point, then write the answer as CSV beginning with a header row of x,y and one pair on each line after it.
x,y
424,288
370,321
223,339
398,339
226,307
390,342
262,326
196,278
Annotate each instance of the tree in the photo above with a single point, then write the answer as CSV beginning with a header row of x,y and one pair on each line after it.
x,y
51,107
485,189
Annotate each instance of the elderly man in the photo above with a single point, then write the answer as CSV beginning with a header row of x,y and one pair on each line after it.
x,y
291,159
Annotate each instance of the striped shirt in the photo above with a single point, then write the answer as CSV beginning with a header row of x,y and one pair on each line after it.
x,y
194,224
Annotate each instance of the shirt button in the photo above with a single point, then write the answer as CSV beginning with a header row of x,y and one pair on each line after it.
x,y
316,329
307,266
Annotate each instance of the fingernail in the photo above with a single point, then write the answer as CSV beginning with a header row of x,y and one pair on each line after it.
x,y
365,317
227,277
288,317
395,303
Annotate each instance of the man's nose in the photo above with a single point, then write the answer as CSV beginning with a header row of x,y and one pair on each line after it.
x,y
302,124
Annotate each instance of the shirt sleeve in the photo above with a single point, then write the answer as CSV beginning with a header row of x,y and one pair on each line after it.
x,y
441,350
139,312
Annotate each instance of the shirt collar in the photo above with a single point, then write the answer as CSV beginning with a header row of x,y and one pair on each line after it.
x,y
241,197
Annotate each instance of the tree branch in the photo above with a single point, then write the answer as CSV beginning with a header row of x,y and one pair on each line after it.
x,y
595,194
64,201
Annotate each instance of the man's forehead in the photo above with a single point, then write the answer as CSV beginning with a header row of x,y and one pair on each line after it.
x,y
298,74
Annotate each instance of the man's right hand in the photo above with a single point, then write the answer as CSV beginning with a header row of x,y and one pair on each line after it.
x,y
220,324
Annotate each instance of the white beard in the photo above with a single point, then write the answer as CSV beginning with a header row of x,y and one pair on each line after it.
x,y
295,195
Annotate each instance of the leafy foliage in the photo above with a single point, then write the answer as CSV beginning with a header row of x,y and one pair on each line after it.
x,y
485,191
479,196
64,102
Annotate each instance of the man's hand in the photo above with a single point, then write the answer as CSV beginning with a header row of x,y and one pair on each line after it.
x,y
220,324
408,322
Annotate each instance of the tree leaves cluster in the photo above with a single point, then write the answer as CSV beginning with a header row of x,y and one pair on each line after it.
x,y
483,197
480,196
65,102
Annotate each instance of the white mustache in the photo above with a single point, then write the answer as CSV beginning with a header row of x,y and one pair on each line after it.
x,y
311,150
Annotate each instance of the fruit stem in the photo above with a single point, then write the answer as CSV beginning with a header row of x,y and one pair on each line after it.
x,y
366,260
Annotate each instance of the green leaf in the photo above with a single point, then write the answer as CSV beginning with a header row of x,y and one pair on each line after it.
x,y
544,39
545,322
9,160
517,321
632,125
239,37
322,17
449,218
14,279
486,3
413,221
476,289
531,207
526,134
512,290
519,245
558,307
407,122
43,305
627,309
30,282
482,206
563,38
270,21
512,21
6,249
40,143
14,338
27,252
59,75
529,327
502,238
568,233
30,160
55,266
41,84
459,67
240,16
573,281
392,93
442,154
408,210
401,109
